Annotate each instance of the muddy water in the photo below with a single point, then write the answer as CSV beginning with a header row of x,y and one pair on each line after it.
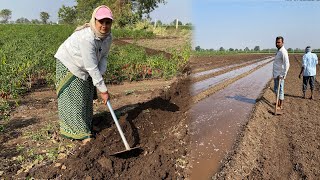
x,y
211,71
200,86
216,121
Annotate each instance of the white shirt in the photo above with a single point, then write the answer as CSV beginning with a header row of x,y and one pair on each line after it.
x,y
309,62
84,54
281,63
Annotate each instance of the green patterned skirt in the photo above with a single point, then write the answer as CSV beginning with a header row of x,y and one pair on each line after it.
x,y
75,103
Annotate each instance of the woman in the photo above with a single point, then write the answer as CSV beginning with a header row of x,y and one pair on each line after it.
x,y
81,62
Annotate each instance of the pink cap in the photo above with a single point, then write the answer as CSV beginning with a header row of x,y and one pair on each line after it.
x,y
103,12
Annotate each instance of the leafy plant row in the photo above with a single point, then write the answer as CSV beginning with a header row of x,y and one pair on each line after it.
x,y
27,58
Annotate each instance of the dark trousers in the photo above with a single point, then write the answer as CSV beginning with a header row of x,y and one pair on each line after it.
x,y
306,80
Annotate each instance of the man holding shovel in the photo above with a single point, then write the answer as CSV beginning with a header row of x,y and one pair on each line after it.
x,y
309,63
280,69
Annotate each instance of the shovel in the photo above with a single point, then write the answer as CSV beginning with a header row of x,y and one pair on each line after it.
x,y
128,149
276,112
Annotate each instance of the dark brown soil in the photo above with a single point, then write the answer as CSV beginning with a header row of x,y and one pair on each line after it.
x,y
157,126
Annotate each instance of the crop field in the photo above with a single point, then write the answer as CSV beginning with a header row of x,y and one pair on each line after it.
x,y
27,58
134,74
194,115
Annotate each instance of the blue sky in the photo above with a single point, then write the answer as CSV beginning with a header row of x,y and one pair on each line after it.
x,y
218,23
31,9
173,9
250,23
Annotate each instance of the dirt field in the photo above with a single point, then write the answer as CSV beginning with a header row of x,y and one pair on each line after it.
x,y
279,147
153,117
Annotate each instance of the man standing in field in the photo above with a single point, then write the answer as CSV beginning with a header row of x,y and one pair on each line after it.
x,y
280,69
309,67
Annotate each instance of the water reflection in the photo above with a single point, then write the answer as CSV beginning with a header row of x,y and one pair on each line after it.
x,y
200,86
242,98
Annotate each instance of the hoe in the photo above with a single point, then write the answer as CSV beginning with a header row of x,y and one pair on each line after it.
x,y
128,150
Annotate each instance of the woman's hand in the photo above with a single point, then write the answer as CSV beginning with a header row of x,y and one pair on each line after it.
x,y
104,97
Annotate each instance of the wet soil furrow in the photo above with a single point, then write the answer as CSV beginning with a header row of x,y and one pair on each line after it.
x,y
216,120
202,74
201,86
279,147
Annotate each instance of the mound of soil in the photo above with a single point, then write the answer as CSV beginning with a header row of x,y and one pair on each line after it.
x,y
158,126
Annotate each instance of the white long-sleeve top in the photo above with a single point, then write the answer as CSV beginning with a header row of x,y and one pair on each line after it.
x,y
84,54
309,63
281,63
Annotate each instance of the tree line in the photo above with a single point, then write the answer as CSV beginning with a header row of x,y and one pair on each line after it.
x,y
255,49
5,15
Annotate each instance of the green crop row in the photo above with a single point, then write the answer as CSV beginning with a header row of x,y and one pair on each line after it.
x,y
131,63
126,33
26,55
27,58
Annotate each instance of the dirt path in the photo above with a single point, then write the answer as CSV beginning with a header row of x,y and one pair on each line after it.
x,y
279,147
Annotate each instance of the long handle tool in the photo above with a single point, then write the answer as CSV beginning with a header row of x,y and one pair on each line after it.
x,y
128,149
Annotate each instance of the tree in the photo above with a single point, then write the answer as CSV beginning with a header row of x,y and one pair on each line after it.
x,y
5,14
126,16
198,48
67,15
175,21
221,49
44,16
35,21
231,49
22,21
145,7
246,49
124,11
256,48
159,23
298,50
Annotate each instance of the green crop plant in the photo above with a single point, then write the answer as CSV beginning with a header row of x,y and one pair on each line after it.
x,y
2,128
27,58
4,110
